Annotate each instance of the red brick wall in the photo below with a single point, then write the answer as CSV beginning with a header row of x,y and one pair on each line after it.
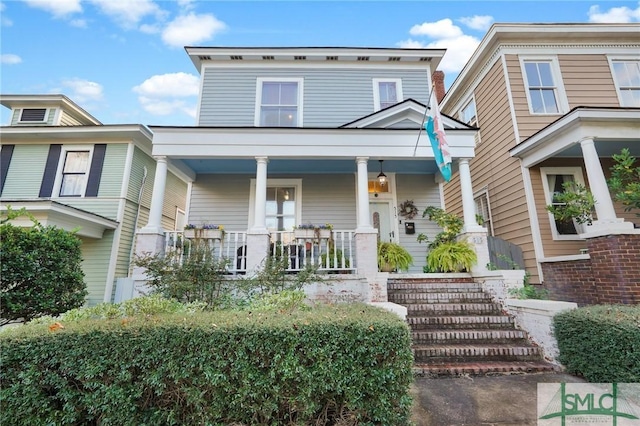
x,y
611,275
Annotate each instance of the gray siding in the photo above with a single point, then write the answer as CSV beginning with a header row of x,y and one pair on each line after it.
x,y
25,171
331,97
424,192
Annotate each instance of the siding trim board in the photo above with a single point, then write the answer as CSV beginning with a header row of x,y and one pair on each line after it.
x,y
6,152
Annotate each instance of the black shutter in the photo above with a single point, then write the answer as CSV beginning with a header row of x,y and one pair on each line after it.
x,y
49,177
95,172
5,159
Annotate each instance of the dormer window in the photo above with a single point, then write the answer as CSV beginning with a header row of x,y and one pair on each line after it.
x,y
386,92
33,115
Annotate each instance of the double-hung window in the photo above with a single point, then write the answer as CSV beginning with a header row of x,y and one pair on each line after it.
x,y
75,170
543,84
386,92
553,179
626,75
279,102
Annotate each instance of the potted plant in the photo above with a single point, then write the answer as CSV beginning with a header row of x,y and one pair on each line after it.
x,y
393,257
311,231
205,231
452,256
574,204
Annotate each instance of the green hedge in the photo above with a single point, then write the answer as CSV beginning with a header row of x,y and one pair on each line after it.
x,y
600,343
347,362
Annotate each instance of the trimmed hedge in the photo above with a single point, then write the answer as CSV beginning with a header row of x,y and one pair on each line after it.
x,y
348,363
600,343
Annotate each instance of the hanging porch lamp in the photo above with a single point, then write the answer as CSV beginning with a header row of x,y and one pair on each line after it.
x,y
382,178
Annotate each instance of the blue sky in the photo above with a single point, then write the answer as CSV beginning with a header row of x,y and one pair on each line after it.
x,y
124,60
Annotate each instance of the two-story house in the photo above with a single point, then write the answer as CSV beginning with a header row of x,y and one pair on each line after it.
x,y
293,136
70,170
553,103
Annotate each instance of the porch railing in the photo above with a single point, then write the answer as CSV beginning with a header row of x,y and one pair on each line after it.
x,y
335,252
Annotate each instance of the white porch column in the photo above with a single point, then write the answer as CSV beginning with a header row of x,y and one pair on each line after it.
x,y
260,221
157,199
258,235
468,205
364,222
607,220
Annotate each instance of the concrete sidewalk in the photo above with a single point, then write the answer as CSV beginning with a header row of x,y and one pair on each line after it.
x,y
504,400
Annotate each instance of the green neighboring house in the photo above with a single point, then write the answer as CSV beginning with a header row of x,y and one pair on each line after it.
x,y
70,170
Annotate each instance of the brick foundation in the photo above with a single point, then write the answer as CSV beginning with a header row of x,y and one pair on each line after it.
x,y
611,275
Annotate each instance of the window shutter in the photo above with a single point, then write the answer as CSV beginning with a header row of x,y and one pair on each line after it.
x,y
49,177
95,171
5,159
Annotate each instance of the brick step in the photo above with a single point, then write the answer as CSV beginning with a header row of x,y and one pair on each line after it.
x,y
482,368
435,280
460,322
432,287
450,353
469,336
428,309
457,297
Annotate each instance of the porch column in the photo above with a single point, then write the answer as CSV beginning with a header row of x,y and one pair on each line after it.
x,y
260,221
157,199
607,220
258,235
468,205
364,221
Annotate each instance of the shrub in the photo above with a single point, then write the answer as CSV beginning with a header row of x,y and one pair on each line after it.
x,y
226,367
392,256
196,276
41,271
625,180
600,343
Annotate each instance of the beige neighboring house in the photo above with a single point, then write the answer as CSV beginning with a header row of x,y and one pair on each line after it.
x,y
70,170
553,103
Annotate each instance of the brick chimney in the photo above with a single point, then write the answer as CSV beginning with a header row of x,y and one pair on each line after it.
x,y
438,82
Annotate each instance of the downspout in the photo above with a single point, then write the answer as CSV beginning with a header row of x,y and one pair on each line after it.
x,y
135,222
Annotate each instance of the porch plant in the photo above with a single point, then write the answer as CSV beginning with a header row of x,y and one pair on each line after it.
x,y
574,203
310,231
624,183
393,257
204,231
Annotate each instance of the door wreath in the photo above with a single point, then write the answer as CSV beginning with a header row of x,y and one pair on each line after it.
x,y
408,209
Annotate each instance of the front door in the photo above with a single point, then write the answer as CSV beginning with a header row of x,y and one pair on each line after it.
x,y
381,219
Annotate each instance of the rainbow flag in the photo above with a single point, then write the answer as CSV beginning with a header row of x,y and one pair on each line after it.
x,y
435,130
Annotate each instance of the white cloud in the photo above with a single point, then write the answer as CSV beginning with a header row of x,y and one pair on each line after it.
x,y
164,94
83,90
444,28
614,15
4,21
78,23
128,13
149,29
191,29
411,44
480,23
58,8
10,59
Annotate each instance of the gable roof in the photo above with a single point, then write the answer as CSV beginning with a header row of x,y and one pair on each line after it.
x,y
399,114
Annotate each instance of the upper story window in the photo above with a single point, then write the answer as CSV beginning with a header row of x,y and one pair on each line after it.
x,y
386,92
626,74
33,115
75,170
544,89
279,102
468,113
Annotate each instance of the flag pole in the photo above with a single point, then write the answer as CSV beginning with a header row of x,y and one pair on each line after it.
x,y
433,85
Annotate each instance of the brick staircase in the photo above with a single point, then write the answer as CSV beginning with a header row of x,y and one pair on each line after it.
x,y
458,330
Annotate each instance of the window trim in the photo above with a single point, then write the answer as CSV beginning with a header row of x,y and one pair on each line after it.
x,y
296,183
612,60
376,90
63,155
47,112
484,194
473,122
258,107
556,74
578,177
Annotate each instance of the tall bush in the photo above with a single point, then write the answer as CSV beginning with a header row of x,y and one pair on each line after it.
x,y
41,271
625,180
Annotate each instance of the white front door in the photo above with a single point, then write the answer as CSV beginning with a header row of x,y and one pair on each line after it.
x,y
381,218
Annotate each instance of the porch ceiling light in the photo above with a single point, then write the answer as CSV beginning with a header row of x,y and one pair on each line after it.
x,y
382,178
